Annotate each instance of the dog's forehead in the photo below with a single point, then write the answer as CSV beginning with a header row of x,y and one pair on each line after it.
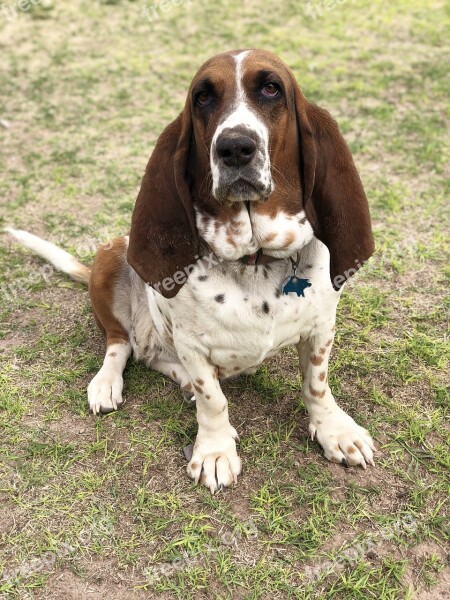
x,y
217,67
251,61
261,60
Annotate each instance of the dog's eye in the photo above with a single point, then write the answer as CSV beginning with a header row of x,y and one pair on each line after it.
x,y
271,90
204,98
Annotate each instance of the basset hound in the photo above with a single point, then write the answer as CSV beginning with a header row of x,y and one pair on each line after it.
x,y
250,217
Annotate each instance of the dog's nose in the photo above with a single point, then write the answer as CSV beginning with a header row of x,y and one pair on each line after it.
x,y
236,151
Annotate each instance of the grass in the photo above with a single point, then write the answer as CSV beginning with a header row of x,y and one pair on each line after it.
x,y
103,508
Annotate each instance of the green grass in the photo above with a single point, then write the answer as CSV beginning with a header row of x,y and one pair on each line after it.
x,y
105,505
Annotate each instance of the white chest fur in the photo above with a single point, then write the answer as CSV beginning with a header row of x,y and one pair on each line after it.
x,y
237,316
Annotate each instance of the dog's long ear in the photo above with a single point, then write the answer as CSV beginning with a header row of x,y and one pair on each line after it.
x,y
333,195
163,237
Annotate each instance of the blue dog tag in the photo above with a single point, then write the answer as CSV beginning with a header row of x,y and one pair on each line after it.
x,y
295,285
292,283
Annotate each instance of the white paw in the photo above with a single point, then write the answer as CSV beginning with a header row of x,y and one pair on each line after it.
x,y
343,440
215,462
105,392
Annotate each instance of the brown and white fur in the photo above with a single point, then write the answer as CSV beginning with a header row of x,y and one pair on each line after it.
x,y
249,165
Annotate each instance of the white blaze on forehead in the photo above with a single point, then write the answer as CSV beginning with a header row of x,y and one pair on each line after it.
x,y
239,59
242,115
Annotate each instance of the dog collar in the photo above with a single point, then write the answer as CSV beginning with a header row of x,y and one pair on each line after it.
x,y
292,283
258,258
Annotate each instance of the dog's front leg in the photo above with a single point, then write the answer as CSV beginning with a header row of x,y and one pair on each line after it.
x,y
343,440
215,462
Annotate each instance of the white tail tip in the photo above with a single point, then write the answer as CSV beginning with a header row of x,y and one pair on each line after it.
x,y
59,258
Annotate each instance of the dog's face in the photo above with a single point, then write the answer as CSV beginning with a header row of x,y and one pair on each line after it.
x,y
240,105
249,164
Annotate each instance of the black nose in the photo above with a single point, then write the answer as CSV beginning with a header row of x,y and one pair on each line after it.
x,y
235,151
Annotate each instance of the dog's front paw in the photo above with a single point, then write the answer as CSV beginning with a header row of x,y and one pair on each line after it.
x,y
105,392
343,440
215,462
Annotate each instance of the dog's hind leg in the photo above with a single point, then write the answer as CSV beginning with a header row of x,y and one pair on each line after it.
x,y
109,287
177,373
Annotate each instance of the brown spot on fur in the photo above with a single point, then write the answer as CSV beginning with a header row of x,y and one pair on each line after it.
x,y
235,225
322,375
200,381
337,448
112,354
188,387
269,238
234,355
198,388
194,466
329,342
302,221
208,397
289,238
322,350
319,422
231,241
174,374
316,360
236,369
317,393
351,450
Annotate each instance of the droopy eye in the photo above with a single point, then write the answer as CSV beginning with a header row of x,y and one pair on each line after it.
x,y
271,90
204,98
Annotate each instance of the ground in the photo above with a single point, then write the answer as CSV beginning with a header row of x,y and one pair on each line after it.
x,y
102,507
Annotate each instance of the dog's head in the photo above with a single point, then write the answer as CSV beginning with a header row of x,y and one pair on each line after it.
x,y
247,135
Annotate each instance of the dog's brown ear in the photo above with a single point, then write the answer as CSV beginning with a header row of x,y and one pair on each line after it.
x,y
163,237
333,195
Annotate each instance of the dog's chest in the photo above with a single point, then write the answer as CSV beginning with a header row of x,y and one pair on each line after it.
x,y
238,315
242,327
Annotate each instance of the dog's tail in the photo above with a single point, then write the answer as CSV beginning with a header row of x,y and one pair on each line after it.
x,y
59,258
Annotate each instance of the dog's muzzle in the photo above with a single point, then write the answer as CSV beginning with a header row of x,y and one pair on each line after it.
x,y
239,165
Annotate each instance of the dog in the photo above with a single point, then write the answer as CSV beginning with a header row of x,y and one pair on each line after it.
x,y
250,218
